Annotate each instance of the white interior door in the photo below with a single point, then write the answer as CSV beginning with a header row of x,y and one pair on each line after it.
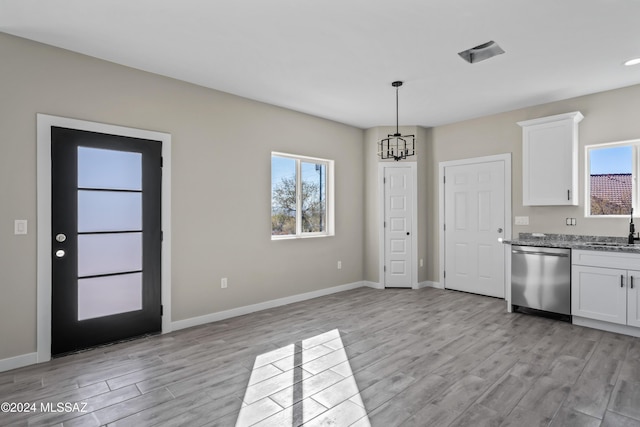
x,y
398,190
474,220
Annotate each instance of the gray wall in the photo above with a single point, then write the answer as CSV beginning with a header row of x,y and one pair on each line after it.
x,y
221,180
220,188
609,116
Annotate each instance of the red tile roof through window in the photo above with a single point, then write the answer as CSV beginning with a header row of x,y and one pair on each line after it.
x,y
613,187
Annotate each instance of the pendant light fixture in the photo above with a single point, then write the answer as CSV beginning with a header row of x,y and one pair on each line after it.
x,y
397,146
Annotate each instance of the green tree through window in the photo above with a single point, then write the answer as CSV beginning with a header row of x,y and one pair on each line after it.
x,y
292,215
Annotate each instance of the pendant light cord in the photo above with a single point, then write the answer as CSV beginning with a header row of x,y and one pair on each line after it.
x,y
397,85
397,120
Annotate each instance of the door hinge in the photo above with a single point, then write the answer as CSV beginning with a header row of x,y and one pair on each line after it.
x,y
162,236
385,269
444,226
384,224
444,179
444,274
161,309
161,161
384,180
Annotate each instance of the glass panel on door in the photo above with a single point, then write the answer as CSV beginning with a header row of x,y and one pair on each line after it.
x,y
107,295
100,254
109,232
109,210
109,169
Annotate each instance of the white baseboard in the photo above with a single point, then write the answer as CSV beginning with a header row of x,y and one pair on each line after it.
x,y
430,284
425,284
18,361
32,358
374,285
240,311
606,326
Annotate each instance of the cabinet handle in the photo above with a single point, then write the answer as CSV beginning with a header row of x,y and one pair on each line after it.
x,y
631,282
622,281
568,194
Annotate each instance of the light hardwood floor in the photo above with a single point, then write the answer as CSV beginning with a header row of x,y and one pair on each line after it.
x,y
364,357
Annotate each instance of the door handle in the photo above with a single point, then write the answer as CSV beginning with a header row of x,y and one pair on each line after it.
x,y
408,233
539,253
499,230
60,253
60,237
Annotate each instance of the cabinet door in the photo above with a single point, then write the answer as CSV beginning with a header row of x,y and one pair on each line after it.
x,y
633,298
550,160
548,152
599,293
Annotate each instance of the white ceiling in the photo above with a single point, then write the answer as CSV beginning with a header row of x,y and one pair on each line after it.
x,y
337,58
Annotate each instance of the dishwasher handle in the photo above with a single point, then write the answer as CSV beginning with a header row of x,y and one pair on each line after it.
x,y
515,251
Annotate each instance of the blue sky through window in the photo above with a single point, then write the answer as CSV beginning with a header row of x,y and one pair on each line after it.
x,y
282,167
611,160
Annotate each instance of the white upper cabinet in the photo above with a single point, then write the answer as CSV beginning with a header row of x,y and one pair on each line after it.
x,y
550,160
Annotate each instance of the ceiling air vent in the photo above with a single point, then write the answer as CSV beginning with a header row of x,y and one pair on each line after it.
x,y
481,52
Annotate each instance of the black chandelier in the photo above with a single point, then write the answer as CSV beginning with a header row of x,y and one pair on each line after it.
x,y
397,146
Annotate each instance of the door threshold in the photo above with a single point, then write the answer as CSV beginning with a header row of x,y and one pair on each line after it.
x,y
109,344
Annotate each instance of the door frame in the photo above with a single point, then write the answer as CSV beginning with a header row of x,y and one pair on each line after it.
x,y
414,220
506,158
43,235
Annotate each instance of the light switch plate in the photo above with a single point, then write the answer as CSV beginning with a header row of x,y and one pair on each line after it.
x,y
522,220
20,226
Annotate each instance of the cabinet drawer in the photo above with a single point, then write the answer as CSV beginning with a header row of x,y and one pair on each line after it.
x,y
623,260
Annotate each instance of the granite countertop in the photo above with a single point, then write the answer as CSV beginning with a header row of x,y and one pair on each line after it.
x,y
571,241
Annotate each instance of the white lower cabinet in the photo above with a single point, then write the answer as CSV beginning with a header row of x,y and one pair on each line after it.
x,y
596,293
604,290
633,299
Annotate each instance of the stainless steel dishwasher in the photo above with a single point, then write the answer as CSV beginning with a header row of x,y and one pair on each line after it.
x,y
541,279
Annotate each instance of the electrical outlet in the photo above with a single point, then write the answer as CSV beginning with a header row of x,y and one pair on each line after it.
x,y
339,265
223,283
20,226
522,220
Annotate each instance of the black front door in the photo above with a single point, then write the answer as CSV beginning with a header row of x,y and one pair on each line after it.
x,y
106,238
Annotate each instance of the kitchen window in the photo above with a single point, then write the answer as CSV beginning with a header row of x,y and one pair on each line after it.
x,y
611,181
301,196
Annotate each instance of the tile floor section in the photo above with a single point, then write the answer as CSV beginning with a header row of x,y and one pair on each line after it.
x,y
310,378
364,357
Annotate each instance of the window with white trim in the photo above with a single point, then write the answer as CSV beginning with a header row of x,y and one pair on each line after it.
x,y
301,196
611,181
